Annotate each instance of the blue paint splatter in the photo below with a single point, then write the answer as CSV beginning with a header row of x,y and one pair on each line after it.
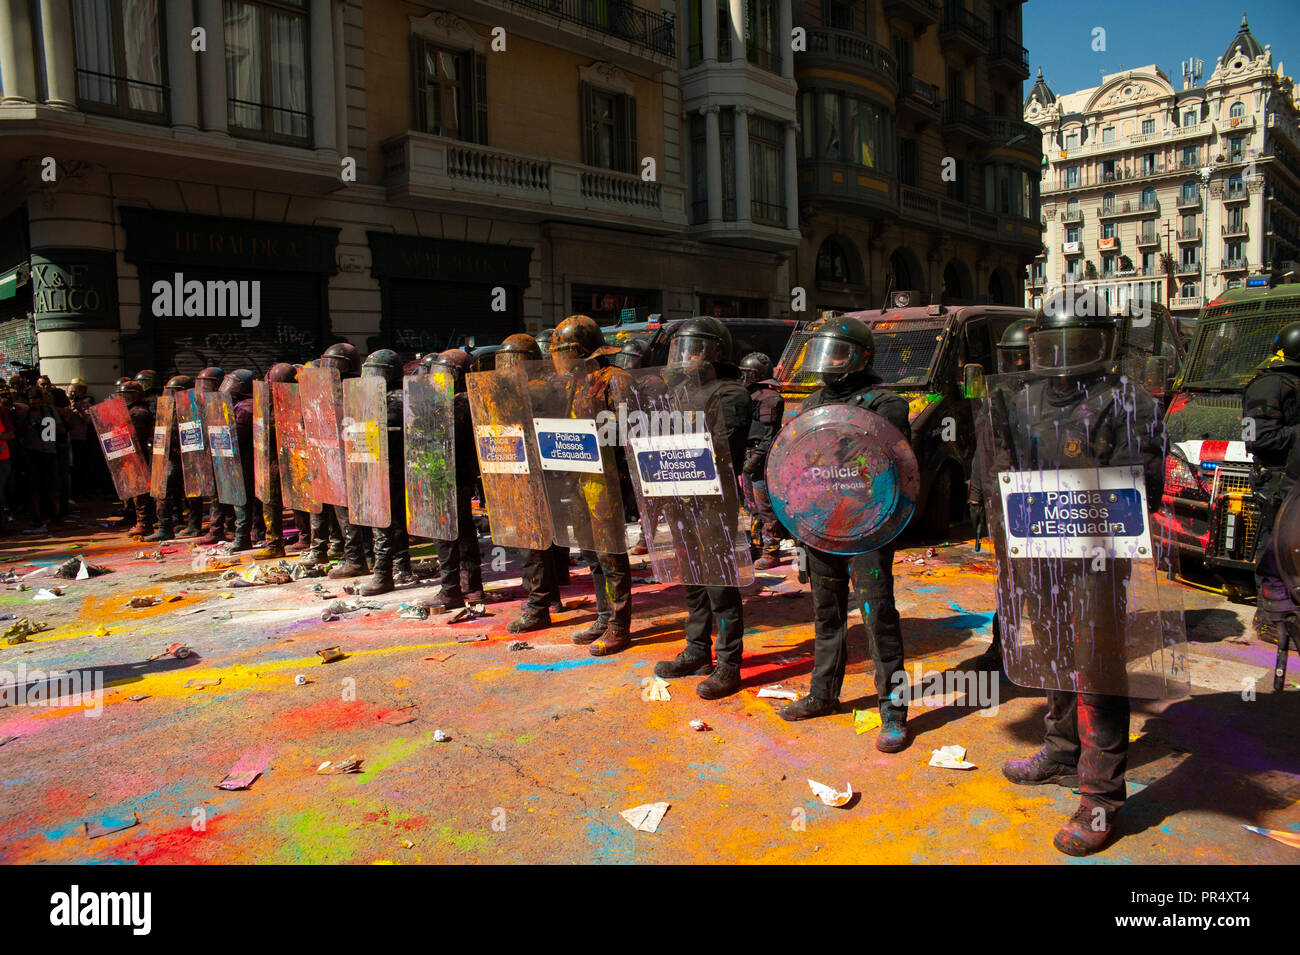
x,y
559,665
965,620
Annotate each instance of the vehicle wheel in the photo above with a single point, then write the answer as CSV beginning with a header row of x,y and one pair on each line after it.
x,y
937,516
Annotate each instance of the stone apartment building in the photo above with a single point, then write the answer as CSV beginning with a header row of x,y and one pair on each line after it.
x,y
395,173
916,171
1173,194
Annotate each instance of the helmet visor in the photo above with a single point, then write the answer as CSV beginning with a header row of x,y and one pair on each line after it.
x,y
1012,360
689,350
1070,350
830,357
505,360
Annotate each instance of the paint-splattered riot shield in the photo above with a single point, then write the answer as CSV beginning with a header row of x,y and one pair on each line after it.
x,y
683,478
117,439
842,479
164,421
510,469
291,446
320,392
265,465
365,449
223,443
1286,540
430,449
1072,473
578,449
196,464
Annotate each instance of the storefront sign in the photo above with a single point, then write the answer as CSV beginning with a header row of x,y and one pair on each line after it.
x,y
440,260
73,288
216,242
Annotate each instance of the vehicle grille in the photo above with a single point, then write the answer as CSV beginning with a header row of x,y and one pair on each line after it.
x,y
1234,516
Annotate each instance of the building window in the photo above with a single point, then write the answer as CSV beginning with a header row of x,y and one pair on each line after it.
x,y
1190,191
1108,230
766,171
807,125
1191,116
862,127
833,265
838,14
1191,156
113,76
727,144
609,129
1190,257
1108,134
1236,148
1237,110
1148,164
1071,177
1072,233
1233,253
450,92
1148,127
1072,139
266,69
699,170
760,34
1236,186
909,164
1108,202
1148,198
1072,208
1148,262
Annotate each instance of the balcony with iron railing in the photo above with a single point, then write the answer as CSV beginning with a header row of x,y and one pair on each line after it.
x,y
449,174
1189,235
918,99
921,13
963,31
1234,265
1108,243
1009,57
1187,268
1147,239
1189,202
1072,217
651,30
963,117
1185,301
1234,230
1115,210
846,50
1236,194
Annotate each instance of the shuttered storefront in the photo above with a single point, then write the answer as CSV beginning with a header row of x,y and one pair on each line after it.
x,y
438,294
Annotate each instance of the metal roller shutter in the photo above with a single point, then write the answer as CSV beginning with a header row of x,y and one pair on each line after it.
x,y
421,317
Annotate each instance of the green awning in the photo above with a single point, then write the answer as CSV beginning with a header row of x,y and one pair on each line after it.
x,y
8,284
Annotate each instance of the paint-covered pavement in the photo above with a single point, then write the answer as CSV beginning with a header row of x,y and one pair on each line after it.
x,y
546,746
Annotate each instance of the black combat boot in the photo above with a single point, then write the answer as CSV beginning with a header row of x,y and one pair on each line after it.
x,y
724,681
1039,769
684,664
809,707
591,632
530,619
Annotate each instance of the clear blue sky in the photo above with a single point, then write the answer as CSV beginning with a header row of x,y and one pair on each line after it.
x,y
1059,34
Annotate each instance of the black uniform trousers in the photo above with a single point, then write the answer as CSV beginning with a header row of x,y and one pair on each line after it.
x,y
460,562
611,575
539,579
1090,731
393,543
872,576
354,547
702,605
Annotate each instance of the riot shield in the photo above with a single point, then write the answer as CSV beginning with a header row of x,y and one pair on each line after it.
x,y
682,476
842,479
1072,472
507,458
196,465
223,443
578,449
291,447
164,421
264,460
429,425
1286,541
117,438
320,393
365,449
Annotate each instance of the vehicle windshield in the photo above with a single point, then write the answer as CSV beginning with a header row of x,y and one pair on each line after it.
x,y
906,350
1228,352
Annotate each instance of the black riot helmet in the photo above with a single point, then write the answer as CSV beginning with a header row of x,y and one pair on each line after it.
x,y
1074,334
701,339
282,372
117,385
632,354
1013,347
838,347
178,383
577,338
517,348
1288,342
148,379
755,367
455,362
131,391
544,339
383,363
344,358
238,384
209,379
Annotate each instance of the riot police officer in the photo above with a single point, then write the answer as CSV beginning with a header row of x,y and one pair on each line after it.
x,y
1077,412
1012,357
842,351
239,385
392,545
346,360
579,343
142,419
148,379
460,561
173,499
767,408
1271,425
221,517
703,347
273,506
540,574
633,354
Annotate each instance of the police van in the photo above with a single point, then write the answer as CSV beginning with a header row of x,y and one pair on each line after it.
x,y
1212,515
